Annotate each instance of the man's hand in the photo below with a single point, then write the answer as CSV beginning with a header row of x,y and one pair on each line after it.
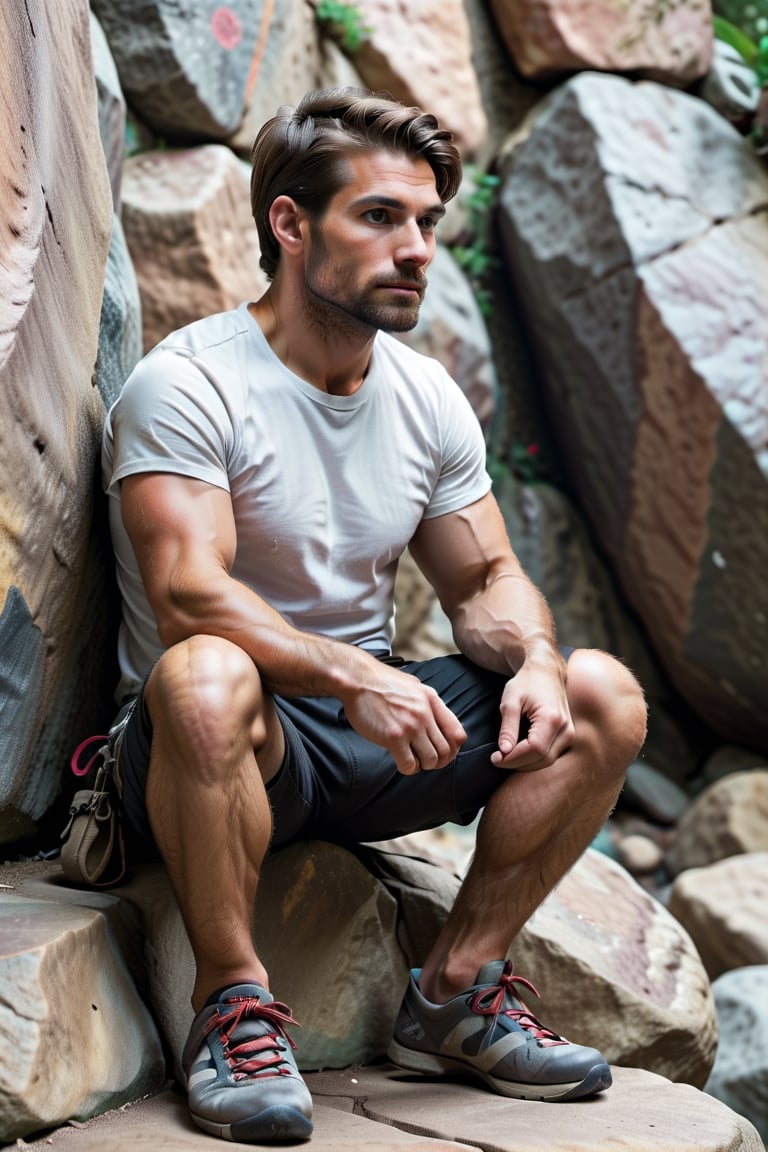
x,y
536,725
408,718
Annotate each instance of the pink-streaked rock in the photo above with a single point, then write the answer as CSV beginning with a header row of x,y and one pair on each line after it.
x,y
671,43
284,66
422,54
722,907
191,236
650,320
616,971
728,818
55,223
184,68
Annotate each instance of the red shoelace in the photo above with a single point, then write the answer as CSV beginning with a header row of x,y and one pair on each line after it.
x,y
490,1001
245,1059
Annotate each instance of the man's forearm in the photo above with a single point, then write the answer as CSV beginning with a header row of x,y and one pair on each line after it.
x,y
290,662
505,624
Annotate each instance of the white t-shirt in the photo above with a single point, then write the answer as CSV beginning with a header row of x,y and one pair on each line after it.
x,y
327,491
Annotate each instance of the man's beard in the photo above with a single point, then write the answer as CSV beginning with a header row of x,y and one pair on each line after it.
x,y
336,313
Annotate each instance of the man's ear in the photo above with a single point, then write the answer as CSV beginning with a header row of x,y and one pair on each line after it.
x,y
286,219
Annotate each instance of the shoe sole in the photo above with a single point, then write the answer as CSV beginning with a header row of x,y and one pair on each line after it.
x,y
596,1080
277,1123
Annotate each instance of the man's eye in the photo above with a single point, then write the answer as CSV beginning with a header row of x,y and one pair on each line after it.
x,y
428,223
376,215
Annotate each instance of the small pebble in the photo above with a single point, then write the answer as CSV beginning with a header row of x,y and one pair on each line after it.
x,y
640,854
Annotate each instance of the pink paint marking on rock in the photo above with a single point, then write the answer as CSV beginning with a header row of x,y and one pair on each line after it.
x,y
227,28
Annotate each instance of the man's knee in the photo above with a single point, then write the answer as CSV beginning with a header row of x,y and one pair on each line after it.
x,y
604,694
204,677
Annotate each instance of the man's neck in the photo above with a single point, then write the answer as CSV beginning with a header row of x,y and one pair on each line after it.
x,y
333,358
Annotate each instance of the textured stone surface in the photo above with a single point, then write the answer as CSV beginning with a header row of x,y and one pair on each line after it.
x,y
644,997
740,1074
184,68
120,329
554,546
452,330
729,817
111,105
76,1038
284,65
384,1110
191,236
669,42
422,55
722,907
315,900
55,221
643,1112
649,318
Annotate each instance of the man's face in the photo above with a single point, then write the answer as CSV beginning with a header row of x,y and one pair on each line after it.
x,y
367,257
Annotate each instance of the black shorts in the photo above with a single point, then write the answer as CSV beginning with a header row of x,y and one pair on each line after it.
x,y
336,785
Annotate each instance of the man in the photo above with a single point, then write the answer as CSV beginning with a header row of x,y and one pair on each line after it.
x,y
267,467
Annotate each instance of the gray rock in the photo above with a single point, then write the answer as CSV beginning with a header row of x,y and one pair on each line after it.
x,y
649,318
183,66
120,329
654,794
740,1073
112,111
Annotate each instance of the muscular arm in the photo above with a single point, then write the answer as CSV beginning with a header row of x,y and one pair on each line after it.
x,y
184,536
500,621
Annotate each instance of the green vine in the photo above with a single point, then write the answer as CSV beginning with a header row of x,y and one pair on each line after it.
x,y
471,252
344,22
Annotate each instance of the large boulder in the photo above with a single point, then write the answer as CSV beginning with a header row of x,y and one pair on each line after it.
x,y
722,907
729,817
285,64
617,971
190,234
635,223
184,68
668,42
77,1038
55,223
314,898
422,54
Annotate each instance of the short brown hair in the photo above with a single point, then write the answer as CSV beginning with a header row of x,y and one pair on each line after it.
x,y
301,152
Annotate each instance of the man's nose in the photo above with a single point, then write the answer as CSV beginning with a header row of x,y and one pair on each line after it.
x,y
414,245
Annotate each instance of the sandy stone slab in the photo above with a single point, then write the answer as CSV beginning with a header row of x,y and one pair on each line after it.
x,y
162,1124
641,1111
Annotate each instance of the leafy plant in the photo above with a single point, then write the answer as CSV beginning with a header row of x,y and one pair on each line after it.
x,y
471,252
345,23
755,54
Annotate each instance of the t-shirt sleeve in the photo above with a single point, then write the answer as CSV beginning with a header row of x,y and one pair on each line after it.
x,y
463,477
170,417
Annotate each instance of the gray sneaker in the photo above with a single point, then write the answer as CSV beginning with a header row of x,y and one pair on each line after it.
x,y
489,1033
241,1075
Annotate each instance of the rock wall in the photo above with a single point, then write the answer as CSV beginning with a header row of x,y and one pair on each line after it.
x,y
55,225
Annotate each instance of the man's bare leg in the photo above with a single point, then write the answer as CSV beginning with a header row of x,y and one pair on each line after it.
x,y
216,742
216,738
537,824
